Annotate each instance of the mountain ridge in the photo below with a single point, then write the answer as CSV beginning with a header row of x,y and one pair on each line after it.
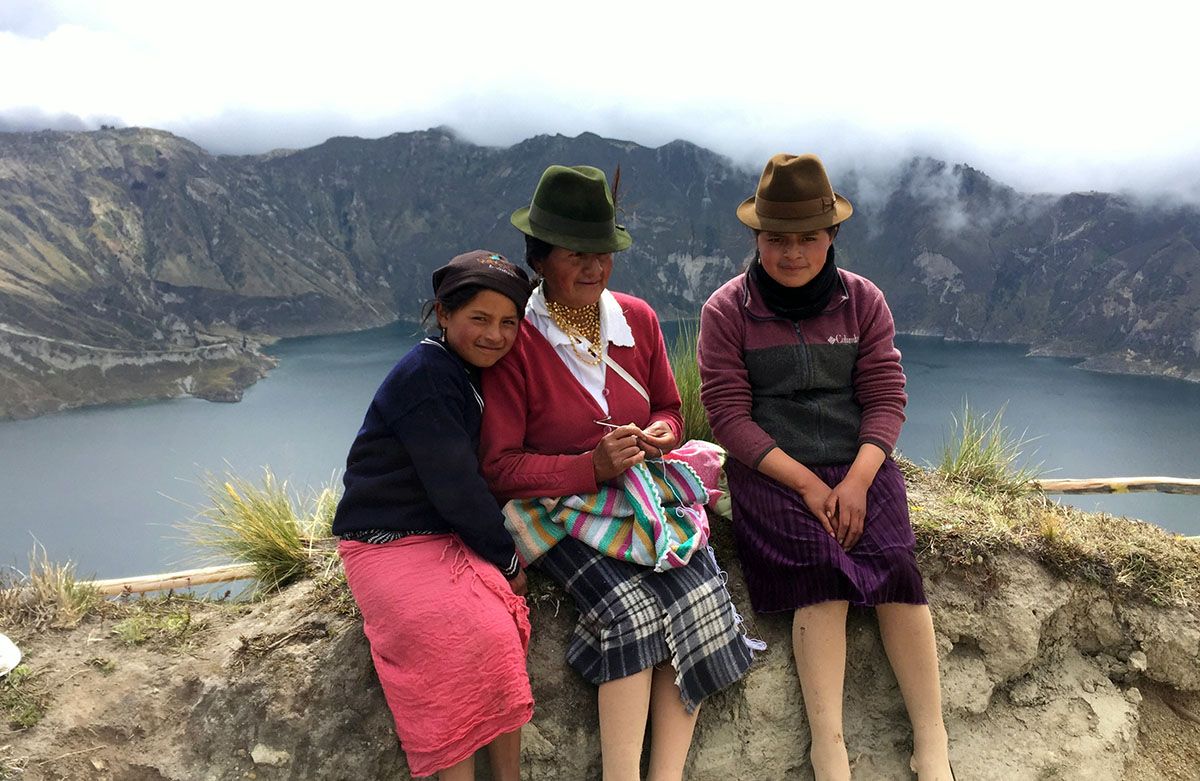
x,y
139,240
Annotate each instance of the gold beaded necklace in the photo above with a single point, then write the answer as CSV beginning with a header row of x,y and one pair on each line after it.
x,y
581,322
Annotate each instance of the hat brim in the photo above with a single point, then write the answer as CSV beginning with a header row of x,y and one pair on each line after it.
x,y
619,240
842,209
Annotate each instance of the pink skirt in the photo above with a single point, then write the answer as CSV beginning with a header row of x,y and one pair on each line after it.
x,y
449,640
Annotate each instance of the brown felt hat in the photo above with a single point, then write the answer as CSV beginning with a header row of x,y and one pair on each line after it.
x,y
793,196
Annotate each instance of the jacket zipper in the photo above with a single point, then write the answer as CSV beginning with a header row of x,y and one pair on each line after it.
x,y
809,380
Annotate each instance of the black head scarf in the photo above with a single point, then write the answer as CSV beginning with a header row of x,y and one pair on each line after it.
x,y
797,303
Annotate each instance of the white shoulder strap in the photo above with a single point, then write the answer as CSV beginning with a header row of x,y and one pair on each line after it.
x,y
637,386
612,364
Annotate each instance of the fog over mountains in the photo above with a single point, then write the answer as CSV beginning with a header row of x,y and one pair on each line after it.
x,y
133,264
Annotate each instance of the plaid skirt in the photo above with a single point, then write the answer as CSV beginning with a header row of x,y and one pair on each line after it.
x,y
790,561
632,618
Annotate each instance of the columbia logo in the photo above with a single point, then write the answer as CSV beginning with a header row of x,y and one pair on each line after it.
x,y
843,339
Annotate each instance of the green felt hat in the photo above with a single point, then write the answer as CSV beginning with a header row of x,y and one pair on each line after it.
x,y
573,208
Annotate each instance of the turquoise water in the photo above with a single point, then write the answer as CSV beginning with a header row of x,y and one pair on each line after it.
x,y
1082,424
106,487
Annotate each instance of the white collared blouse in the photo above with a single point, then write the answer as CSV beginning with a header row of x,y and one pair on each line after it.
x,y
614,329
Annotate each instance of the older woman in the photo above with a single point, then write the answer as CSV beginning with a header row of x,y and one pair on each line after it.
x,y
803,386
585,396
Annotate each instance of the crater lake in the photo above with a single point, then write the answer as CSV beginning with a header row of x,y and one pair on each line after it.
x,y
106,488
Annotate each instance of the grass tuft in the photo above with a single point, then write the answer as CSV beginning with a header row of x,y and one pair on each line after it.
x,y
102,663
11,767
166,628
22,697
266,526
1052,528
330,592
985,455
49,595
687,380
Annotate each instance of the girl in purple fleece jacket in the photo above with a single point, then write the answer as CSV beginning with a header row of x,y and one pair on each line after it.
x,y
802,383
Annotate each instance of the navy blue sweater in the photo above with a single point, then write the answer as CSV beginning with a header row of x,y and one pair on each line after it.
x,y
414,466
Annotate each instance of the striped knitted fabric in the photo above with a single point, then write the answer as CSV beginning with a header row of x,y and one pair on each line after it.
x,y
653,516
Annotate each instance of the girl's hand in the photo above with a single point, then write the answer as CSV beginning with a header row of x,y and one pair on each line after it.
x,y
657,439
617,451
518,583
846,508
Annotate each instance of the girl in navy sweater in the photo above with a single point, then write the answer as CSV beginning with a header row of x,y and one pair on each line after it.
x,y
427,557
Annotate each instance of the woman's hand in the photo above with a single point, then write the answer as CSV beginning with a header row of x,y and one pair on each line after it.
x,y
657,439
617,451
846,509
846,505
815,493
782,468
518,583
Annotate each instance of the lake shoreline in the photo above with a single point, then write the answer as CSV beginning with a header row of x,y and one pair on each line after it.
x,y
225,379
1102,364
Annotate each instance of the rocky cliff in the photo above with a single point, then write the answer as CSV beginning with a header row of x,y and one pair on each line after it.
x,y
139,241
1092,275
1058,662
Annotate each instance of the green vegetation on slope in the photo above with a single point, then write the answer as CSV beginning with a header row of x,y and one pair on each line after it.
x,y
266,526
982,453
687,379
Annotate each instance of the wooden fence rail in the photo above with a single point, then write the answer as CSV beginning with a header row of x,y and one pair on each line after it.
x,y
173,580
1119,485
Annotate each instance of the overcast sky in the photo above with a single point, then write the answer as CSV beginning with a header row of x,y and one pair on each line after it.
x,y
1047,96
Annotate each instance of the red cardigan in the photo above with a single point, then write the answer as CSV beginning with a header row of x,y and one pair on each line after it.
x,y
539,424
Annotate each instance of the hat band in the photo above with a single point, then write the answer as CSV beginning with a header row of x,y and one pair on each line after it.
x,y
580,229
793,210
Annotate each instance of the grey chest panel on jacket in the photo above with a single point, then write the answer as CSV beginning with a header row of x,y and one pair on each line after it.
x,y
804,399
786,370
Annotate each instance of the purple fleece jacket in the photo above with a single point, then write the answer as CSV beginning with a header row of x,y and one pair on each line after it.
x,y
818,388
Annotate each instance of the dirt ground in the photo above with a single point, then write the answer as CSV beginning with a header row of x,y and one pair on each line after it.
x,y
284,689
99,693
1168,736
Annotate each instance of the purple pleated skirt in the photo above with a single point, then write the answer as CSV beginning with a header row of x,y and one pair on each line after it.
x,y
790,561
